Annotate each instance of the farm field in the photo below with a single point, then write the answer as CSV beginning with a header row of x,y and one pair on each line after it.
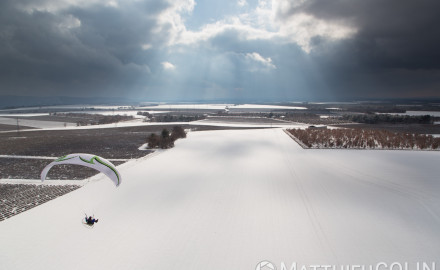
x,y
235,198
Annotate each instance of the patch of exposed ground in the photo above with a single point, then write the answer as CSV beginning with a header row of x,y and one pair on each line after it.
x,y
5,127
21,168
17,198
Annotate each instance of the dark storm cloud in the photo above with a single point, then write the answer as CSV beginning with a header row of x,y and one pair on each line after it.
x,y
393,54
392,34
75,51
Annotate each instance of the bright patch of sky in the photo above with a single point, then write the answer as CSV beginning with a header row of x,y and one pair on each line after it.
x,y
168,66
208,12
266,62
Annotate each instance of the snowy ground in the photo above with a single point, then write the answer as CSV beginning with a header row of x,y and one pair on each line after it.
x,y
230,199
35,123
51,125
418,113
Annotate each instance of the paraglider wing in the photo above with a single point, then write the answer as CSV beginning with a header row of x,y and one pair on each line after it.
x,y
91,161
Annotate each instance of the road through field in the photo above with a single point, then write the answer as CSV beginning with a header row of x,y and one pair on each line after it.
x,y
230,199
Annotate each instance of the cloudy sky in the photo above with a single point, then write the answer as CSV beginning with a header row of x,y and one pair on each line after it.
x,y
255,50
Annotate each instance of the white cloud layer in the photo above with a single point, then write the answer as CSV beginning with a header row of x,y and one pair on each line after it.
x,y
171,20
146,46
242,3
266,62
267,21
168,66
69,22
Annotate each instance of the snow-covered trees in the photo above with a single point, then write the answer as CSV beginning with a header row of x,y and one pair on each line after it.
x,y
363,138
165,140
388,118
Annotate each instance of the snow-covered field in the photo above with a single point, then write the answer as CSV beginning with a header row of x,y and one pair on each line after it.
x,y
230,199
52,125
419,113
35,123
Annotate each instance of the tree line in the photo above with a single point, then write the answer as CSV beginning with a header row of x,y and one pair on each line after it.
x,y
85,119
363,139
166,138
388,118
172,117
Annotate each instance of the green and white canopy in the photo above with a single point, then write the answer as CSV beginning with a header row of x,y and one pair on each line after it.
x,y
88,160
